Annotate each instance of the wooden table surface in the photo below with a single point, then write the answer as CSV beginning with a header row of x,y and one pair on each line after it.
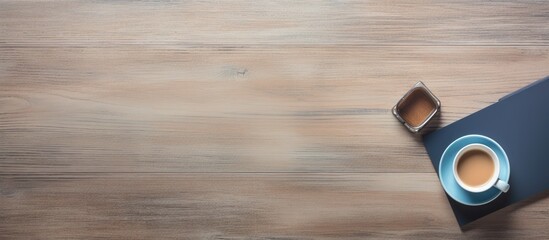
x,y
260,119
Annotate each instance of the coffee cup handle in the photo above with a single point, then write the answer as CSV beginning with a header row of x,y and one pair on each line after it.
x,y
502,186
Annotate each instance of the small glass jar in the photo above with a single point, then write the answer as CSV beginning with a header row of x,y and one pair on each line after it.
x,y
417,108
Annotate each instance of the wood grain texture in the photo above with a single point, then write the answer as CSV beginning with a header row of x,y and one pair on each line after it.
x,y
234,119
205,206
423,22
140,109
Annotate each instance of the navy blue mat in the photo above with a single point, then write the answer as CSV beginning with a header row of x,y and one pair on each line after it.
x,y
519,122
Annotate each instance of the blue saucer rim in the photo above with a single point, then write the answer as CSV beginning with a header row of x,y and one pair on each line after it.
x,y
457,141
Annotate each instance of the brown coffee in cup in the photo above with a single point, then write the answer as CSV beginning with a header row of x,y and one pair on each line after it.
x,y
475,167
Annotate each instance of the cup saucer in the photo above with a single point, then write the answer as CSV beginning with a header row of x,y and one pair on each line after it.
x,y
449,183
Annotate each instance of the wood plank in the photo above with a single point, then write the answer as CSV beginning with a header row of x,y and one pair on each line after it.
x,y
266,206
293,109
398,22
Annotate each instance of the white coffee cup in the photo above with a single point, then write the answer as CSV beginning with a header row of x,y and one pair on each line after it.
x,y
494,180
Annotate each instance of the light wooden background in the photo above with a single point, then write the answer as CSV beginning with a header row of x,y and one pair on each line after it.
x,y
259,119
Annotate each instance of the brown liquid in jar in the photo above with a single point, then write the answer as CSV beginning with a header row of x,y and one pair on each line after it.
x,y
416,108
